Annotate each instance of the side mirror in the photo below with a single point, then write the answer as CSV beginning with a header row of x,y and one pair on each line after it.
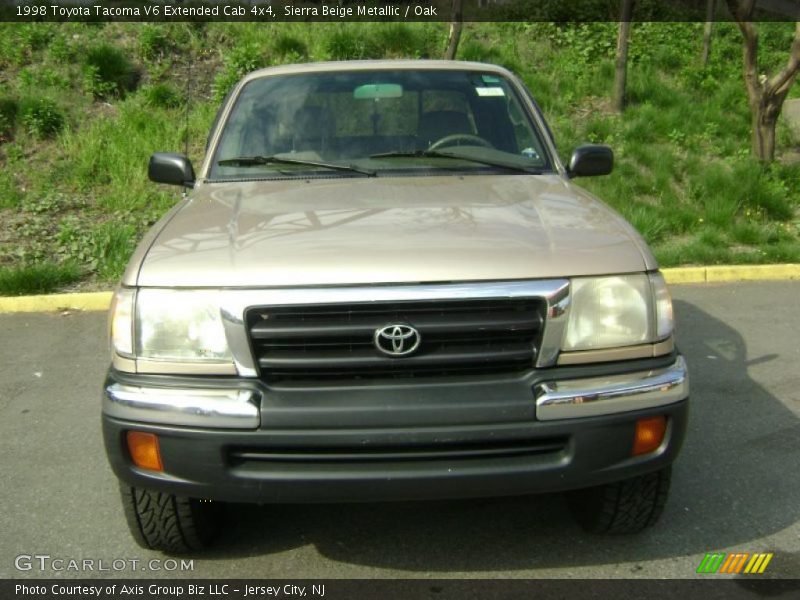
x,y
170,168
591,159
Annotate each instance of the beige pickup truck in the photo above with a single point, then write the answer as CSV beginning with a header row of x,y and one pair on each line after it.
x,y
383,284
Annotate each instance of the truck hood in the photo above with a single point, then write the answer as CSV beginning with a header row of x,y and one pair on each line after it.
x,y
342,231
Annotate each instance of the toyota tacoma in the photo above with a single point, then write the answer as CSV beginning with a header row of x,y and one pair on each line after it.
x,y
383,284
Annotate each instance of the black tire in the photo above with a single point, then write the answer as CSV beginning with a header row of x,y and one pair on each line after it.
x,y
627,506
169,523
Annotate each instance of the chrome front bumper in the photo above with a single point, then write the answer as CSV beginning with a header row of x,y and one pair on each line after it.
x,y
572,399
192,407
232,408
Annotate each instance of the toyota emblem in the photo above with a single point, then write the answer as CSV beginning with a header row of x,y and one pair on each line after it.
x,y
397,340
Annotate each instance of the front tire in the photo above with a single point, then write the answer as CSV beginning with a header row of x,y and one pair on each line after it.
x,y
169,523
627,506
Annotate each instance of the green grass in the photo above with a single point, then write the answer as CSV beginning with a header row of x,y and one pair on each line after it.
x,y
41,117
37,279
10,194
84,105
107,71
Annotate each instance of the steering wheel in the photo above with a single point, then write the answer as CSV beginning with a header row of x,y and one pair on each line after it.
x,y
450,140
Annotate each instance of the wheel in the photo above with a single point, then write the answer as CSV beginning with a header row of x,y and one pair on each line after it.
x,y
450,140
626,506
169,523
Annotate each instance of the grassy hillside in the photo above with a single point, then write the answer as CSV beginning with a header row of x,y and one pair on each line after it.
x,y
82,106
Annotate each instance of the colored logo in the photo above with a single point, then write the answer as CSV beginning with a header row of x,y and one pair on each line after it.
x,y
735,563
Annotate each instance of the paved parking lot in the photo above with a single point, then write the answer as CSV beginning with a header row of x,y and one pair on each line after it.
x,y
735,487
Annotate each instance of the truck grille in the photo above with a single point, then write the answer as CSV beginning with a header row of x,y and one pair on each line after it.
x,y
499,449
333,342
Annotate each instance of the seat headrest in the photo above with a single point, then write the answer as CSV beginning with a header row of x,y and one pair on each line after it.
x,y
436,124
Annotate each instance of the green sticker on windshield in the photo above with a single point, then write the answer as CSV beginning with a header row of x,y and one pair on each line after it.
x,y
490,91
490,79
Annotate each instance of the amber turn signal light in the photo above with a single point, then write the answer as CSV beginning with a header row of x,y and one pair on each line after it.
x,y
649,435
144,450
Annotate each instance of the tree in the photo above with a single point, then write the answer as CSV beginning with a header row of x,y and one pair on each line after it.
x,y
455,31
711,7
765,94
621,74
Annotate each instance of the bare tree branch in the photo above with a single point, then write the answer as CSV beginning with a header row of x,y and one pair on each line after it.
x,y
787,75
750,51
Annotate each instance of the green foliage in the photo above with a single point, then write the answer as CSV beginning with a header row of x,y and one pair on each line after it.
x,y
587,41
652,225
684,176
241,60
103,248
108,72
289,45
476,51
8,117
19,42
109,156
61,50
723,191
36,36
44,203
647,85
42,76
341,44
40,278
479,52
398,40
10,194
163,95
41,117
154,42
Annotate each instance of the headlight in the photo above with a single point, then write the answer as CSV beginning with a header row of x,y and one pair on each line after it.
x,y
181,326
623,310
120,323
664,319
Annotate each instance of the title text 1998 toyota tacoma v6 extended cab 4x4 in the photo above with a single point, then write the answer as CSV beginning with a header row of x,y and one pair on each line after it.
x,y
384,285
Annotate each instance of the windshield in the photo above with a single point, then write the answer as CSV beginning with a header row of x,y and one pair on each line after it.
x,y
361,123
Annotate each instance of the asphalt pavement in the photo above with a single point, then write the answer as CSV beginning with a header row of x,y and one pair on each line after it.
x,y
736,485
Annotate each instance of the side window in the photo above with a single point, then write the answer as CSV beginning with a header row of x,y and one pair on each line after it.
x,y
231,143
538,109
217,118
527,143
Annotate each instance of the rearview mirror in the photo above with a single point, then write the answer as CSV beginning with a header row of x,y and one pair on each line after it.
x,y
378,91
591,159
170,168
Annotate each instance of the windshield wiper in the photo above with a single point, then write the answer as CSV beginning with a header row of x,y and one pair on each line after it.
x,y
456,156
250,161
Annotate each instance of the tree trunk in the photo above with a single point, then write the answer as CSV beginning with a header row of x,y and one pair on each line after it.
x,y
766,94
707,31
455,32
621,74
764,138
765,121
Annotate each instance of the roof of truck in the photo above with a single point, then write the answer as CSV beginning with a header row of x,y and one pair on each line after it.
x,y
367,65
